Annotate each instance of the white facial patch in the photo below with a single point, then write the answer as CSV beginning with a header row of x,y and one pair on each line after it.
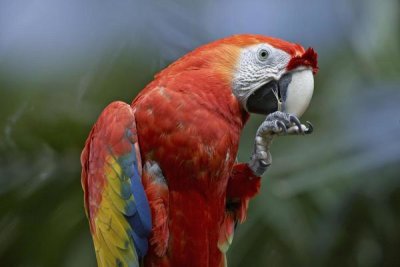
x,y
251,72
299,92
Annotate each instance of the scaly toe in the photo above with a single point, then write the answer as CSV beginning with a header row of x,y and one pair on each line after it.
x,y
296,121
282,127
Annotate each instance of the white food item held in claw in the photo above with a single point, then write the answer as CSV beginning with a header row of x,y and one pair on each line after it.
x,y
299,92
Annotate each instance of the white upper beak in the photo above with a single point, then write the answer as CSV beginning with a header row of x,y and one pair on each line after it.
x,y
299,92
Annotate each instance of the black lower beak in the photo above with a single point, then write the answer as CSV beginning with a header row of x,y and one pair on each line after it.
x,y
269,97
263,100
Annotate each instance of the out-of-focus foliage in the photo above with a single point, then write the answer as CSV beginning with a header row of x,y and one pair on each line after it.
x,y
329,199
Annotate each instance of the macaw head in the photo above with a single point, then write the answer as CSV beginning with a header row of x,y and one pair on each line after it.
x,y
265,74
273,75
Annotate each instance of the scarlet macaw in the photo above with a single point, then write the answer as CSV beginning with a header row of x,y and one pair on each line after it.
x,y
161,185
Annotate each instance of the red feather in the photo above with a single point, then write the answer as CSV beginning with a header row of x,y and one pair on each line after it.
x,y
307,59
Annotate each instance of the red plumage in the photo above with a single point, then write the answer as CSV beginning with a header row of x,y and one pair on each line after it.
x,y
190,123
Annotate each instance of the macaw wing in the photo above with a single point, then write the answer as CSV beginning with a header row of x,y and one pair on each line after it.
x,y
115,200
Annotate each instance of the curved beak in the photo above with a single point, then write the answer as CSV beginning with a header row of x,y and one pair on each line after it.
x,y
292,93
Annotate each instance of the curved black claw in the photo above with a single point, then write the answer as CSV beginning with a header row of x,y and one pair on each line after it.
x,y
264,164
310,128
282,126
296,121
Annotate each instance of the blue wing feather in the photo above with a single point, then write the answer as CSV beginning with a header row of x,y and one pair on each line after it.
x,y
140,221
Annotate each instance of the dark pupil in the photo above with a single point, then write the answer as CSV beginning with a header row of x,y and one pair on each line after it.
x,y
263,54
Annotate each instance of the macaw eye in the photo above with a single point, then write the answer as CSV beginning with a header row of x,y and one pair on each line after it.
x,y
263,54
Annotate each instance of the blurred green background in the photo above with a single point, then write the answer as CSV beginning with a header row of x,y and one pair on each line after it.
x,y
329,199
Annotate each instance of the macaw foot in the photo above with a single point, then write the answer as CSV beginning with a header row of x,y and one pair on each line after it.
x,y
280,123
277,123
